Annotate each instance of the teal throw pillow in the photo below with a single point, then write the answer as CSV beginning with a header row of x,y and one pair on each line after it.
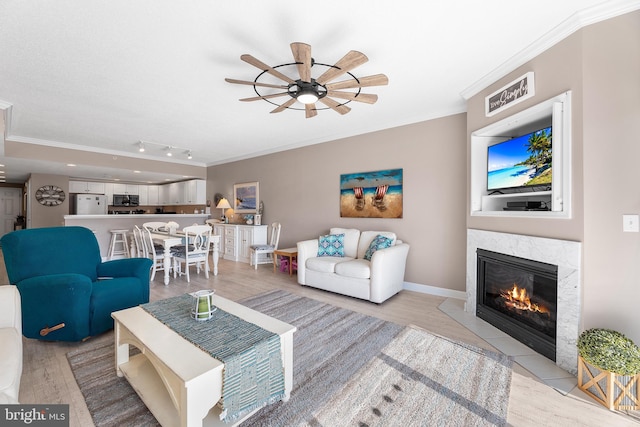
x,y
331,245
380,242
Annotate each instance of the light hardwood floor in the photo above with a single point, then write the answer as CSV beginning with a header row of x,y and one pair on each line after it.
x,y
47,377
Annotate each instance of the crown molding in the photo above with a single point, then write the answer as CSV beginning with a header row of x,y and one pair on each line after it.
x,y
577,21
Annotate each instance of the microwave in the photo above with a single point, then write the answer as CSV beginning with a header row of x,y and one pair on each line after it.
x,y
126,200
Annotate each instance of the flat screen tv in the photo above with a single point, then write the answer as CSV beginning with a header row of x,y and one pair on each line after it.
x,y
522,163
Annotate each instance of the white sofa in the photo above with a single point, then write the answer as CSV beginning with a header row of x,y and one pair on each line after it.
x,y
376,280
11,348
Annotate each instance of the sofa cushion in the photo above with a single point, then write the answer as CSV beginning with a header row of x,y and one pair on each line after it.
x,y
367,237
379,242
351,238
325,264
357,269
331,245
10,359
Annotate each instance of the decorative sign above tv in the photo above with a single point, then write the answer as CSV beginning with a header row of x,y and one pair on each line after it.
x,y
510,95
521,163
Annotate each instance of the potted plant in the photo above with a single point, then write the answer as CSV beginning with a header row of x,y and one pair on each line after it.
x,y
609,368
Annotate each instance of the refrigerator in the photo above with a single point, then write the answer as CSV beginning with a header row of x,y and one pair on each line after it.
x,y
90,204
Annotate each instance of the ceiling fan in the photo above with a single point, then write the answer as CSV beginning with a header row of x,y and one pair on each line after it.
x,y
308,90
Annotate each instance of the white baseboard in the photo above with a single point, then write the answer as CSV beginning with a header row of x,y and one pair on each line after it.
x,y
434,290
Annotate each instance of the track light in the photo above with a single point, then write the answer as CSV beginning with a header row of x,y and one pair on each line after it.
x,y
158,148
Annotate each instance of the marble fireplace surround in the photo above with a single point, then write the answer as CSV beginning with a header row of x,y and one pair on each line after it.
x,y
563,253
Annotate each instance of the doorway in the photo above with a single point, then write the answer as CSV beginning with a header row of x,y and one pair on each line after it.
x,y
10,207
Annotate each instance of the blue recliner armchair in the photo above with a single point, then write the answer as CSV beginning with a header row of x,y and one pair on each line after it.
x,y
68,293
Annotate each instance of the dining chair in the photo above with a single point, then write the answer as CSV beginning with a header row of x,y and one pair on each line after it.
x,y
195,251
263,254
154,252
155,226
137,239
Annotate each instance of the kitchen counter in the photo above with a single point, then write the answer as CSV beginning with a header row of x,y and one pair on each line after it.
x,y
101,224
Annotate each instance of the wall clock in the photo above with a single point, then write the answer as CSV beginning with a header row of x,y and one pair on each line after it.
x,y
50,195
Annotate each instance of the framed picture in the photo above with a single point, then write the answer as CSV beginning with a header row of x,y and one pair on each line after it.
x,y
375,194
246,197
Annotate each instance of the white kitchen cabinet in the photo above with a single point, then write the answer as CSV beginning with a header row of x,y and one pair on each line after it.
x,y
143,195
163,193
196,192
177,194
87,187
128,189
236,240
108,191
153,195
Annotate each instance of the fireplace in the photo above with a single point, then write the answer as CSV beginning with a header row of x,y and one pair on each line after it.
x,y
519,296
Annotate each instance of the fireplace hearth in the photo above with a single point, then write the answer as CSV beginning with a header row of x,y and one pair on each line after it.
x,y
519,297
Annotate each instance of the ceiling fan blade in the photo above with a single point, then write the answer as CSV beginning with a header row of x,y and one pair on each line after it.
x,y
302,56
360,97
347,63
310,110
284,106
264,67
257,98
244,82
375,80
334,105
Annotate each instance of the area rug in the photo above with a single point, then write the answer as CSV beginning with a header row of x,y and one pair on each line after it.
x,y
333,349
420,379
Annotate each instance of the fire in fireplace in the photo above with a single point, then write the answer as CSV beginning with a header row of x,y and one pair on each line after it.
x,y
519,297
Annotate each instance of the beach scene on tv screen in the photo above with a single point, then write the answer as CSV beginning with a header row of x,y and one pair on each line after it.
x,y
520,162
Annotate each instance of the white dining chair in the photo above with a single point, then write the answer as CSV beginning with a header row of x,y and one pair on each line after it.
x,y
195,251
263,254
154,252
137,239
155,226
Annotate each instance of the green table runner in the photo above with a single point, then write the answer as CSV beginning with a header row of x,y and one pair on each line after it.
x,y
253,374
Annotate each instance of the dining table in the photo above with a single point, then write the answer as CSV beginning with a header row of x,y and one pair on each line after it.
x,y
169,240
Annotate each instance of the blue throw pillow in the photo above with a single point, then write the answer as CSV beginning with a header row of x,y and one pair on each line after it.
x,y
331,245
380,242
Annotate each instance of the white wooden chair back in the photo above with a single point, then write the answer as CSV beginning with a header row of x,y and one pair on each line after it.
x,y
155,225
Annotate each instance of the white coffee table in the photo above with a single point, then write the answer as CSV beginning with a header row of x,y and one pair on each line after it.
x,y
179,383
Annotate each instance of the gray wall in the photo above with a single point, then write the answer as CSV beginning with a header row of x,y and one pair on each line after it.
x,y
600,64
300,188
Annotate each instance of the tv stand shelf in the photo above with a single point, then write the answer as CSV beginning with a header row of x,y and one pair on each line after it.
x,y
494,204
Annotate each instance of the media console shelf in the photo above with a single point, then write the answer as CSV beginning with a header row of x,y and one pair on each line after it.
x,y
555,112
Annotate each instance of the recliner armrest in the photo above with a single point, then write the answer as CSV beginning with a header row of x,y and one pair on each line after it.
x,y
128,267
306,249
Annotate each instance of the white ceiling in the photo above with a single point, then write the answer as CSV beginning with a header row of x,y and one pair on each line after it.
x,y
103,75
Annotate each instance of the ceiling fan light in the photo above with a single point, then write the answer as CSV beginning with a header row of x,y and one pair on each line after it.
x,y
307,97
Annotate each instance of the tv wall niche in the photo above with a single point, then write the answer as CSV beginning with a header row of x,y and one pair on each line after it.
x,y
527,188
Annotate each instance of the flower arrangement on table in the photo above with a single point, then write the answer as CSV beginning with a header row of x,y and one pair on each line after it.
x,y
172,226
248,219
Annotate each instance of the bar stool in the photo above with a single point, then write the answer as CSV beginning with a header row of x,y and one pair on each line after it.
x,y
119,245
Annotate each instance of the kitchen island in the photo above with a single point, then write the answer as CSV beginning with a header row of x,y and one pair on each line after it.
x,y
101,224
